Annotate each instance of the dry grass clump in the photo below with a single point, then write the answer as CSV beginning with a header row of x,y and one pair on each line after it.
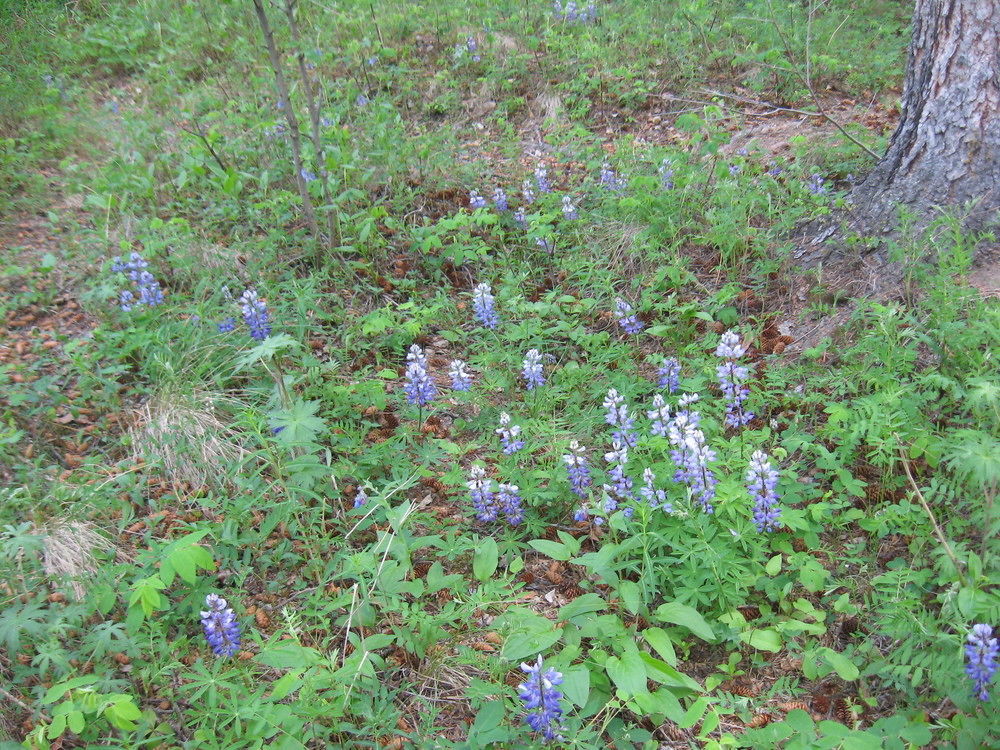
x,y
68,550
188,436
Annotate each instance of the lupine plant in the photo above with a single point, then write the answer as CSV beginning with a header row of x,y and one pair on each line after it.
x,y
146,286
255,315
222,631
500,199
509,434
981,653
484,306
569,210
476,200
692,457
420,389
541,180
627,318
761,480
617,416
670,374
542,699
732,379
481,494
461,378
531,370
577,469
610,180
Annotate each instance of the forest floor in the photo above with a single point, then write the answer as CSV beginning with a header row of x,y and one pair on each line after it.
x,y
395,563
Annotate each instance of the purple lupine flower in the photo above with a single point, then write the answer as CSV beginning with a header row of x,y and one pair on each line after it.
x,y
221,629
509,501
981,653
472,46
734,169
360,497
670,374
306,175
660,414
361,100
626,317
686,399
227,326
692,456
476,200
610,179
815,184
482,495
531,369
774,171
547,244
621,483
568,209
666,175
732,379
589,13
255,315
580,514
541,699
461,378
150,293
420,389
484,306
542,179
761,480
617,416
656,498
577,469
509,434
500,199
527,192
148,288
520,218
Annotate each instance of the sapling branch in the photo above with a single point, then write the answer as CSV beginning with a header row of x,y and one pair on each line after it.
x,y
290,119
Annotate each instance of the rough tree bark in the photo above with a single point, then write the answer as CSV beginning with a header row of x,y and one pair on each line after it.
x,y
946,150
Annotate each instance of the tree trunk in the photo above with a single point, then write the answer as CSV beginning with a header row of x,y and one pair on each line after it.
x,y
946,150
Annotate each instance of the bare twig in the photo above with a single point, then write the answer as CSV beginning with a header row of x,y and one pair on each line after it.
x,y
930,514
14,699
208,145
290,119
313,106
807,79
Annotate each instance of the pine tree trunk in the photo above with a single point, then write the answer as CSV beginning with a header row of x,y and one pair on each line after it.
x,y
946,150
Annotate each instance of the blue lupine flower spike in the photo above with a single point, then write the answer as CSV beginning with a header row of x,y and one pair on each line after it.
x,y
541,699
981,653
761,480
222,631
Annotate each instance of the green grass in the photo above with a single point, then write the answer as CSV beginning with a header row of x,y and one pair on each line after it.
x,y
151,460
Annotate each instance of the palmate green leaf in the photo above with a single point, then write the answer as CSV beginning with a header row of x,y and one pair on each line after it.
x,y
298,424
276,344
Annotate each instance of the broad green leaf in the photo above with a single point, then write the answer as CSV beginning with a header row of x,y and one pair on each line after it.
x,y
667,675
661,701
843,666
485,559
660,641
688,617
582,605
286,684
773,566
56,692
288,655
631,596
766,639
555,550
522,645
576,684
628,673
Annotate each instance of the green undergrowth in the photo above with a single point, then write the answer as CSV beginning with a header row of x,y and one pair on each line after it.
x,y
151,458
